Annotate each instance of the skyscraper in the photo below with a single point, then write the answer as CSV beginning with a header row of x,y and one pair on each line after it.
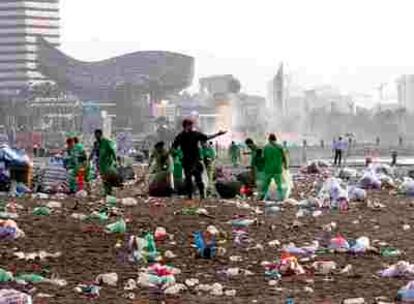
x,y
278,93
20,22
405,87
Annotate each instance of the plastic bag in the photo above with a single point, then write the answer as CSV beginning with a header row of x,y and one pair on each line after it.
x,y
272,193
339,243
287,184
204,250
406,294
370,180
357,194
407,187
11,296
361,245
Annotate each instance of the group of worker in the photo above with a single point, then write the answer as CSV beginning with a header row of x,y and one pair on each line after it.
x,y
267,164
79,166
192,153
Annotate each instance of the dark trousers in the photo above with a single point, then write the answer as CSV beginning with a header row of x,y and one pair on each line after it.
x,y
196,170
338,157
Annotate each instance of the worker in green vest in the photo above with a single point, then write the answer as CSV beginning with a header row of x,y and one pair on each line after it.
x,y
234,152
177,156
208,155
71,163
256,163
275,161
106,160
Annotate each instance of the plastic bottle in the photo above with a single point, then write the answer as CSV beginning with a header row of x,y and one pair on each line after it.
x,y
354,301
5,276
406,296
390,252
30,278
117,227
150,242
8,215
80,180
101,216
111,200
290,300
41,211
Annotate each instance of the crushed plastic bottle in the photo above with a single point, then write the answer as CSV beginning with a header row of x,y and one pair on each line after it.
x,y
111,200
101,216
42,211
354,301
151,249
390,252
117,227
5,276
242,222
30,278
129,202
89,290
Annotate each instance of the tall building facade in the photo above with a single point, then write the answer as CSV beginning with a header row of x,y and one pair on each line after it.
x,y
21,21
278,93
405,87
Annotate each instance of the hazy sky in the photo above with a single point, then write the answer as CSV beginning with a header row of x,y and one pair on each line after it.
x,y
354,44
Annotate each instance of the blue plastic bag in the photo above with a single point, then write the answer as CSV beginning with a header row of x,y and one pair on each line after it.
x,y
206,251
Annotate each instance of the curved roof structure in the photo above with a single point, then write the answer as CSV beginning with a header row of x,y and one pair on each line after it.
x,y
150,71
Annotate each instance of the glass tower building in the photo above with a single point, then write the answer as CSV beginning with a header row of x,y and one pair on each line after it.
x,y
21,21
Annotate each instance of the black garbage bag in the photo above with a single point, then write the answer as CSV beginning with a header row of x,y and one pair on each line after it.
x,y
126,173
228,189
160,184
245,178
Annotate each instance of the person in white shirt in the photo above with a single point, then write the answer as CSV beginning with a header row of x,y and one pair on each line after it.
x,y
339,147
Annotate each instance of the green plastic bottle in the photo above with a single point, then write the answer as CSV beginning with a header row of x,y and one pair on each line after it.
x,y
117,227
101,216
41,211
30,278
390,252
111,200
150,242
5,276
